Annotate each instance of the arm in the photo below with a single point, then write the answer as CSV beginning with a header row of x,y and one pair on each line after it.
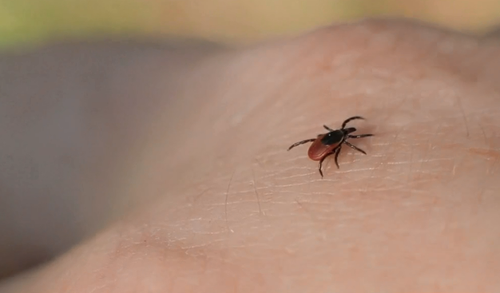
x,y
211,200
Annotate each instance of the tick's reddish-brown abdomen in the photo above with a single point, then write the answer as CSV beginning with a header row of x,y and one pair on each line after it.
x,y
318,150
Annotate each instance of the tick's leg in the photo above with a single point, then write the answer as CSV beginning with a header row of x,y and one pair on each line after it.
x,y
355,147
327,128
359,135
321,162
337,152
301,142
350,119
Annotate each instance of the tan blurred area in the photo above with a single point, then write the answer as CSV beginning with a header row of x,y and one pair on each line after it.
x,y
230,21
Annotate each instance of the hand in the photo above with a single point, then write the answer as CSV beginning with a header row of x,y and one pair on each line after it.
x,y
179,162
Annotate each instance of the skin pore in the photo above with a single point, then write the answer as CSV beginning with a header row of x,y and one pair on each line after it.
x,y
151,168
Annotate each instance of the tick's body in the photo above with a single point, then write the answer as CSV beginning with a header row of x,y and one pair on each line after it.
x,y
331,143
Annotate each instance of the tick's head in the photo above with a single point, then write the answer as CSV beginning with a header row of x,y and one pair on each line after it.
x,y
333,137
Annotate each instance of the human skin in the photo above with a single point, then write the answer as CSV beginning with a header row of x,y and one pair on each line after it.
x,y
169,168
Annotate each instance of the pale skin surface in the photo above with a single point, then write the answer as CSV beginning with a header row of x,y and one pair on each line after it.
x,y
180,165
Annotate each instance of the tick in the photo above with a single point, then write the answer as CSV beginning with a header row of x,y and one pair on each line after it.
x,y
330,143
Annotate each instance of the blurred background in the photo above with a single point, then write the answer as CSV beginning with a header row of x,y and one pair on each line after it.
x,y
28,22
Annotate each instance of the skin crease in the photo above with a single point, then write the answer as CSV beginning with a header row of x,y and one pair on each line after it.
x,y
175,171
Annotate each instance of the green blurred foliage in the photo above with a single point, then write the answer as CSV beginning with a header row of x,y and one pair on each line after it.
x,y
232,21
28,21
